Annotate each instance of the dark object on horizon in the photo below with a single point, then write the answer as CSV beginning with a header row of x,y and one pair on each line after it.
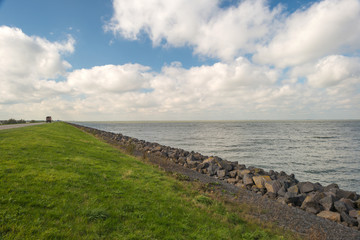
x,y
48,119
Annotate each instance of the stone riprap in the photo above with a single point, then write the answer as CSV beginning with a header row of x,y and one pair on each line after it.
x,y
329,202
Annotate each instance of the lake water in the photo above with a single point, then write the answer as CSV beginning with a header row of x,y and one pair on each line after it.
x,y
317,151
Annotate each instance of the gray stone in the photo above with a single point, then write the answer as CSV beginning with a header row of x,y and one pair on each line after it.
x,y
221,173
247,179
331,186
212,169
354,214
192,164
340,206
233,173
357,203
202,166
293,189
293,198
349,204
273,186
339,193
231,180
349,220
327,202
333,216
271,195
306,187
261,180
281,191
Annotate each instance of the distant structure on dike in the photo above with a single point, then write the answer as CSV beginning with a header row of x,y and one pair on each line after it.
x,y
48,119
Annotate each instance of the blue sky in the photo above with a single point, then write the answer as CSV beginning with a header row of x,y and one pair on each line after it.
x,y
180,60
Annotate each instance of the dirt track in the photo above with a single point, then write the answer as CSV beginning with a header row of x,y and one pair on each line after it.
x,y
2,127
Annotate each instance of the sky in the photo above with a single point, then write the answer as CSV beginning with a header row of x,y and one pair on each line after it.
x,y
120,60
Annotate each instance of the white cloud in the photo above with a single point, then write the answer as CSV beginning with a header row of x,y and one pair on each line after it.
x,y
326,28
335,70
110,78
27,63
211,30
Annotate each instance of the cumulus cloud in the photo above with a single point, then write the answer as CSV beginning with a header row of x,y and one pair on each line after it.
x,y
335,70
27,65
211,30
326,28
110,78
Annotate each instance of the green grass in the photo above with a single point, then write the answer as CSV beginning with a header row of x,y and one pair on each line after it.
x,y
57,182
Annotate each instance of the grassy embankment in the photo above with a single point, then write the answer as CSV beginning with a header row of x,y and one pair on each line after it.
x,y
57,182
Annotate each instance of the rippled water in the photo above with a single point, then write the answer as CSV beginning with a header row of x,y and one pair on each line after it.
x,y
316,151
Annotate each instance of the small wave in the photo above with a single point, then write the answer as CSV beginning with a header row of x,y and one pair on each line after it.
x,y
324,137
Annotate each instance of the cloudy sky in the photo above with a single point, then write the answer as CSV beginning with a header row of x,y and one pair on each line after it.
x,y
180,59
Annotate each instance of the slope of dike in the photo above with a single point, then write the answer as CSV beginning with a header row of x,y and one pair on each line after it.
x,y
58,182
318,212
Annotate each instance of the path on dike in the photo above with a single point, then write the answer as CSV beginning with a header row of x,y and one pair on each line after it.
x,y
18,125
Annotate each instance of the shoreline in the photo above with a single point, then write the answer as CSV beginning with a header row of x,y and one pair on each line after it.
x,y
329,202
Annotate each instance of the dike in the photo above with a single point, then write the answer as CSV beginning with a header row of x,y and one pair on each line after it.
x,y
275,188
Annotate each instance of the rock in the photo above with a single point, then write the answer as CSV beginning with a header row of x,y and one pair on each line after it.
x,y
247,179
245,171
202,165
282,191
306,187
357,203
233,173
293,198
254,188
221,173
349,220
281,200
260,181
340,206
271,195
327,202
331,186
209,160
240,185
349,204
333,216
273,186
311,203
339,193
293,189
259,171
354,214
212,169
231,180
192,164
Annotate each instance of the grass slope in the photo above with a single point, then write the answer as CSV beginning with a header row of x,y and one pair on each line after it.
x,y
57,182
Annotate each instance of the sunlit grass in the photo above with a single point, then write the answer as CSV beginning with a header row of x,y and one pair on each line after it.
x,y
57,182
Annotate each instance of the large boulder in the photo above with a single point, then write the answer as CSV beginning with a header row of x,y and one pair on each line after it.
x,y
333,216
293,189
294,198
339,193
247,179
307,187
349,220
311,203
261,180
221,173
340,207
273,186
327,202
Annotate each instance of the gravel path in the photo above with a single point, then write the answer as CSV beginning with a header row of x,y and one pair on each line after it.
x,y
9,126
